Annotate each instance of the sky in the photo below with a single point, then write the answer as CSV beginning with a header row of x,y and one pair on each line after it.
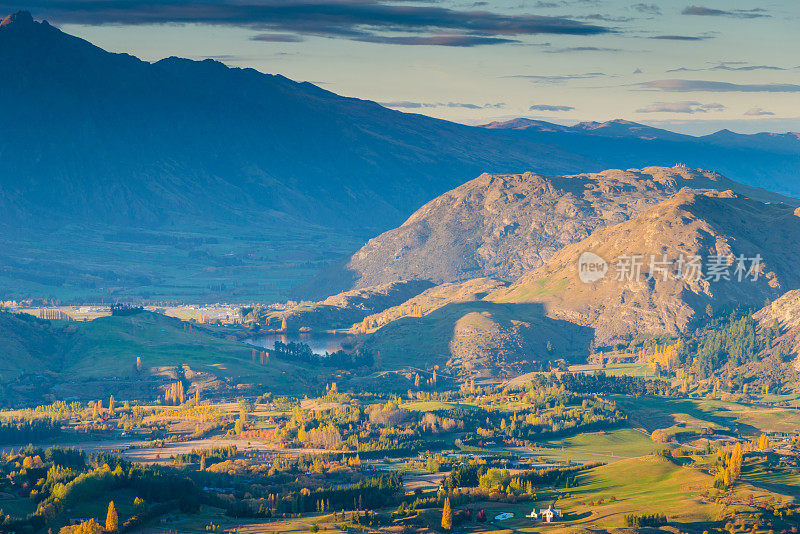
x,y
693,66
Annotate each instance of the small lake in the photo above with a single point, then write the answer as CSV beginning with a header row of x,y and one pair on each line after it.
x,y
320,342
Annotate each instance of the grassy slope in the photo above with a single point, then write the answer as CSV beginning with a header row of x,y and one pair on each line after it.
x,y
760,472
425,341
108,347
646,485
601,446
26,346
658,412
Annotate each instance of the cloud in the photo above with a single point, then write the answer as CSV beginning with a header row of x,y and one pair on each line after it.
x,y
558,78
738,13
277,38
682,37
405,104
580,49
603,18
549,107
729,66
686,86
435,40
757,112
685,106
648,9
359,20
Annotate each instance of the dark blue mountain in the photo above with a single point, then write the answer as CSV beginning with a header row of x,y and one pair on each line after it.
x,y
115,154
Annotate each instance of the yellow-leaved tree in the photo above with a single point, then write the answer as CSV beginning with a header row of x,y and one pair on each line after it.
x,y
447,515
112,518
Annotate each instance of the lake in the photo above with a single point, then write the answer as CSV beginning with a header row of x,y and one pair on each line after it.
x,y
320,342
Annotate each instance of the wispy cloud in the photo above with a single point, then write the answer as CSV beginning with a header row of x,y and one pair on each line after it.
x,y
647,9
549,107
728,66
435,40
580,49
685,106
405,104
687,86
557,78
277,38
682,37
737,13
757,112
372,21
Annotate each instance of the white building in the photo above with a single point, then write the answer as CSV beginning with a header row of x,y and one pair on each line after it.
x,y
548,515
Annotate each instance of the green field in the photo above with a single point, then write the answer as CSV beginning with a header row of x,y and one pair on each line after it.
x,y
610,446
653,413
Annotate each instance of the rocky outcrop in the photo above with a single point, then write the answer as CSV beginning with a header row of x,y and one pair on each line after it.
x,y
666,298
502,225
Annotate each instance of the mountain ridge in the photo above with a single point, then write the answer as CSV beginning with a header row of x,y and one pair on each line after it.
x,y
96,143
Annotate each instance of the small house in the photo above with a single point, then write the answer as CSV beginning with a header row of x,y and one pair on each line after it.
x,y
548,515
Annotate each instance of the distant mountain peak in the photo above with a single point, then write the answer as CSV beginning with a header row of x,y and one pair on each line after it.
x,y
18,19
524,123
591,125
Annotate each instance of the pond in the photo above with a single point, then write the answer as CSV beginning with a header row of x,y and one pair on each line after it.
x,y
320,342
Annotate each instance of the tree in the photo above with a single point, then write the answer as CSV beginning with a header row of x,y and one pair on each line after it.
x,y
111,405
447,515
139,363
112,518
736,461
763,442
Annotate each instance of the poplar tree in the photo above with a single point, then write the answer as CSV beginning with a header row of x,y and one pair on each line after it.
x,y
112,518
447,515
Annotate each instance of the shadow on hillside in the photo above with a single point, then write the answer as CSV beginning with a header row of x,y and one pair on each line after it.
x,y
518,336
661,413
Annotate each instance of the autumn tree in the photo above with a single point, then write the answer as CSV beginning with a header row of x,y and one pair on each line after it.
x,y
736,461
112,518
447,515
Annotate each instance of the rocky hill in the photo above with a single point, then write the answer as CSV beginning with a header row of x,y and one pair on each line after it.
x,y
501,225
786,311
666,298
479,339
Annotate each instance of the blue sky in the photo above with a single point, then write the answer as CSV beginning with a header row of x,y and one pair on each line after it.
x,y
694,66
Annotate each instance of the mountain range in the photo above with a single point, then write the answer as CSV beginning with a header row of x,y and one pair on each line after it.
x,y
193,180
